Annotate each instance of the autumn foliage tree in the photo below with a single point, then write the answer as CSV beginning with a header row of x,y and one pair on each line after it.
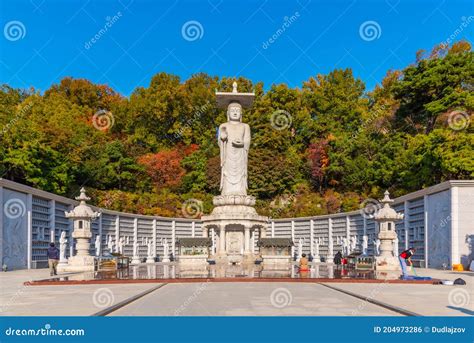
x,y
318,160
164,167
334,142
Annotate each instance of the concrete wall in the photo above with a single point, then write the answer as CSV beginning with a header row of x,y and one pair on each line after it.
x,y
465,223
438,222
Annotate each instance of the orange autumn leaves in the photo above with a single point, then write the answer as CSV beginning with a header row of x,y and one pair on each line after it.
x,y
164,167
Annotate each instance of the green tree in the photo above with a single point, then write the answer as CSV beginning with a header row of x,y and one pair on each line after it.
x,y
435,85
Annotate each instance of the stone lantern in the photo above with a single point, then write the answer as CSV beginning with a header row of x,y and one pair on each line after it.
x,y
82,215
386,217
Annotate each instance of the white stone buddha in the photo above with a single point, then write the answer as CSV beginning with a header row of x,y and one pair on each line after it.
x,y
234,143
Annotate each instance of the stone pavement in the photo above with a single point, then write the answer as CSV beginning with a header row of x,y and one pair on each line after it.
x,y
247,299
240,299
19,300
426,300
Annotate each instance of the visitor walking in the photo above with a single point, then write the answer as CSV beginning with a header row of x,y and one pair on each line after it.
x,y
338,258
405,258
53,259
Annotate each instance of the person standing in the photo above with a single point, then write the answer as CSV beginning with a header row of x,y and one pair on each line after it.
x,y
338,258
405,258
53,259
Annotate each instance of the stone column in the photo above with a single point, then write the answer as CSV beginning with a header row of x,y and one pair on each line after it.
x,y
136,247
52,221
173,239
83,244
252,241
154,237
29,209
221,240
329,257
246,240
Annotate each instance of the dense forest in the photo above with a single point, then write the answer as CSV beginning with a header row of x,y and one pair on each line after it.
x,y
322,148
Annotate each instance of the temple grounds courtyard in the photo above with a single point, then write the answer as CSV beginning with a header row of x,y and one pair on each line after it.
x,y
236,299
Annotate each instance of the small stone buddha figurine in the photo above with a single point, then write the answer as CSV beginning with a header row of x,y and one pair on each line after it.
x,y
234,143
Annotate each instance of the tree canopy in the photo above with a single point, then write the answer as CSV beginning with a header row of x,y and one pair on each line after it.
x,y
334,145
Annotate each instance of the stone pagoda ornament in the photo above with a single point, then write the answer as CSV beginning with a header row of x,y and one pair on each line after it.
x,y
82,215
234,217
386,218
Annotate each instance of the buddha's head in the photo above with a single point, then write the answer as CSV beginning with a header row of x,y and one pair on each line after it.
x,y
234,112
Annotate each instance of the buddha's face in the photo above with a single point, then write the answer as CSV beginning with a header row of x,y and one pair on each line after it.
x,y
235,112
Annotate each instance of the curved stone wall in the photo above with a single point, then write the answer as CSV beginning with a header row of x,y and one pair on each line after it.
x,y
436,223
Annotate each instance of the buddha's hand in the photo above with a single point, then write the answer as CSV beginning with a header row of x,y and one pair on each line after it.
x,y
237,143
223,133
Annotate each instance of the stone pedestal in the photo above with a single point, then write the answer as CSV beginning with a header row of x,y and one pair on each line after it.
x,y
276,261
235,220
190,260
386,261
78,264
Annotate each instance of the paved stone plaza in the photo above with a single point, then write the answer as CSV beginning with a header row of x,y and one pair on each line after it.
x,y
236,299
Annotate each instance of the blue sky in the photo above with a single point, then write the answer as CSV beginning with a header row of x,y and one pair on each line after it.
x,y
45,40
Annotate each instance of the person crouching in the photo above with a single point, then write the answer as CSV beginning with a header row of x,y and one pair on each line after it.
x,y
405,258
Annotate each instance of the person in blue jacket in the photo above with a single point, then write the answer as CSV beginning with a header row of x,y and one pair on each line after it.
x,y
53,259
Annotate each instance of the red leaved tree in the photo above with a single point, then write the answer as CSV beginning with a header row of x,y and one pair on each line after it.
x,y
164,167
318,160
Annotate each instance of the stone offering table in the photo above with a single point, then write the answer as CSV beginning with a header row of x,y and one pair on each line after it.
x,y
194,250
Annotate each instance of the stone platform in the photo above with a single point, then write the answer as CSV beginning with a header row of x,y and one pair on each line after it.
x,y
234,225
249,298
176,273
